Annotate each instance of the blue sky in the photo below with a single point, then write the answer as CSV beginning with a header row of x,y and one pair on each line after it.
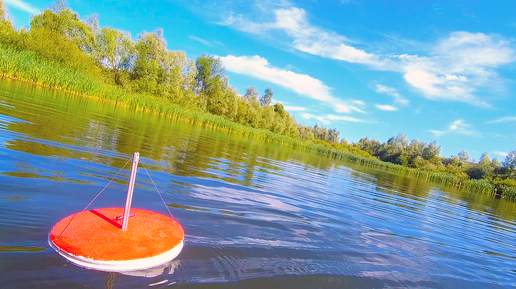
x,y
434,70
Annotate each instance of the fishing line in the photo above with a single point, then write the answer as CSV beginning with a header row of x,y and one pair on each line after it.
x,y
157,190
94,198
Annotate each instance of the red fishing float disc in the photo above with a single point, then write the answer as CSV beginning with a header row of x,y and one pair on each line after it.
x,y
94,239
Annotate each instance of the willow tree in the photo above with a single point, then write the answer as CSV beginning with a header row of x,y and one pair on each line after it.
x,y
333,135
254,114
266,117
305,132
281,118
463,156
189,97
431,150
242,111
321,132
482,170
209,79
157,70
151,48
370,146
115,51
267,97
8,35
3,12
510,160
67,39
209,72
62,21
292,127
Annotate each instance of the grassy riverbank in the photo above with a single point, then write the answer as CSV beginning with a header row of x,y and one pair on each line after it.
x,y
27,67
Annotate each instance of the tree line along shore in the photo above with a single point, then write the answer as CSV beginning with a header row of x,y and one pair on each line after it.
x,y
81,57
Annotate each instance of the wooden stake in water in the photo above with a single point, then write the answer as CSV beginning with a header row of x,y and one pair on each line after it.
x,y
130,190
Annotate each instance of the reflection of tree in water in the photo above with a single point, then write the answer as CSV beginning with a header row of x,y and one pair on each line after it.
x,y
394,184
484,203
67,127
88,130
391,183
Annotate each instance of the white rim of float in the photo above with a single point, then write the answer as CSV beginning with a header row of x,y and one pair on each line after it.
x,y
119,266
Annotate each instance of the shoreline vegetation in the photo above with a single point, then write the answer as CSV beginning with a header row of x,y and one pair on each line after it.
x,y
81,58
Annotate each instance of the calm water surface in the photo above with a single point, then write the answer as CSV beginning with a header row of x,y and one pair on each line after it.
x,y
256,215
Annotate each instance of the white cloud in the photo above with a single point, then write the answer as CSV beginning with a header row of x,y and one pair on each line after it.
x,y
319,118
458,66
294,22
437,133
302,84
454,70
386,107
200,40
398,98
327,119
503,119
502,154
345,118
294,108
24,6
458,127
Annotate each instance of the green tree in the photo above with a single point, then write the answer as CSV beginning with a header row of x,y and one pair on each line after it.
x,y
115,50
370,146
151,51
305,132
190,99
321,132
8,35
292,127
464,156
267,97
254,113
157,70
281,117
484,159
495,163
431,150
4,16
415,148
482,170
399,142
243,111
209,82
67,40
510,160
64,22
266,117
223,100
251,95
333,135
394,150
209,72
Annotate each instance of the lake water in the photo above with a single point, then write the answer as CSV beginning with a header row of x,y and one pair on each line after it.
x,y
256,214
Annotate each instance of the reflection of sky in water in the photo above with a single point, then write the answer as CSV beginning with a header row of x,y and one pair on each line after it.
x,y
253,212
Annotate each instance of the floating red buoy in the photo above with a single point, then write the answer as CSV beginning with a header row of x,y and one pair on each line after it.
x,y
96,239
